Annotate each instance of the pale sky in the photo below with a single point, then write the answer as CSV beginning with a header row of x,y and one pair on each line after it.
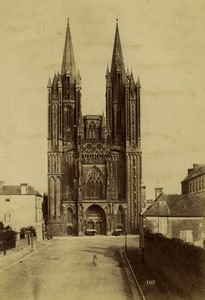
x,y
162,41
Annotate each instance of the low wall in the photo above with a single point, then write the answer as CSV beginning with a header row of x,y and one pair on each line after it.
x,y
25,243
179,265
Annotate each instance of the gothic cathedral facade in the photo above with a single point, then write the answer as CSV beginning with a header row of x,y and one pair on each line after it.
x,y
94,161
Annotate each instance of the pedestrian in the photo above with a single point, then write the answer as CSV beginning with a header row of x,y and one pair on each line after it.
x,y
94,260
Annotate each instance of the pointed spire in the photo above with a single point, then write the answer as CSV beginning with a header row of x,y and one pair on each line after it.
x,y
78,80
49,82
60,82
103,119
68,63
117,57
138,83
108,78
128,73
80,122
107,72
132,82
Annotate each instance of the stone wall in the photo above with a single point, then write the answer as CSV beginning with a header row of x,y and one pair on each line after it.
x,y
178,265
176,225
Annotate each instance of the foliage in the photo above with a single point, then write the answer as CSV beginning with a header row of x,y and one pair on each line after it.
x,y
24,230
1,226
182,265
7,237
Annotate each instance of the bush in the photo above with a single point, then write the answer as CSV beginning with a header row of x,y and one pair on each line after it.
x,y
180,264
7,238
24,230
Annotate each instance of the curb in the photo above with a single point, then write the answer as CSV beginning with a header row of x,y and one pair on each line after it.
x,y
134,285
25,255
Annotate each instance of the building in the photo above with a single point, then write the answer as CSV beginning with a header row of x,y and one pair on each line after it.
x,y
194,182
178,216
94,161
21,206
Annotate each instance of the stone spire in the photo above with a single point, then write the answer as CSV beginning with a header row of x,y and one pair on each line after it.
x,y
117,57
68,63
108,78
132,82
49,82
138,83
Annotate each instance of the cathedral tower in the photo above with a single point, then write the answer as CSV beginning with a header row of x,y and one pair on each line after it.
x,y
94,163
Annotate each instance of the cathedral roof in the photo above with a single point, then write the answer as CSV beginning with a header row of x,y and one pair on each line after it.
x,y
68,63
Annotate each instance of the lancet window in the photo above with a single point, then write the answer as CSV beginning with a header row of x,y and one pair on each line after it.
x,y
94,185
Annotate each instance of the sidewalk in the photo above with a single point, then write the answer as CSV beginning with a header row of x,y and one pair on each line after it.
x,y
15,255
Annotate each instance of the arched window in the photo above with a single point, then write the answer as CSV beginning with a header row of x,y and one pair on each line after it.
x,y
94,185
70,216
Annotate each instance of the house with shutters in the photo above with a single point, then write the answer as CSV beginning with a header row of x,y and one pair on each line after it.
x,y
178,216
21,206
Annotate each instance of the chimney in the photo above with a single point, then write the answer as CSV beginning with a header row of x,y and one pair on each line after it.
x,y
24,188
189,171
158,191
195,166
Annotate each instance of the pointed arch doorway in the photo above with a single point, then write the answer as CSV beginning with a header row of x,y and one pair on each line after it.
x,y
96,219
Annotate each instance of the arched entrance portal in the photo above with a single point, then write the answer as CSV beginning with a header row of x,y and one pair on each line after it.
x,y
96,219
69,221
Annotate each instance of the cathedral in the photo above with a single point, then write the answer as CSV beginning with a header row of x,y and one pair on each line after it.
x,y
94,161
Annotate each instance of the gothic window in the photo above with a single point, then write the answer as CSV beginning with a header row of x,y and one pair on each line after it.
x,y
94,185
55,171
70,216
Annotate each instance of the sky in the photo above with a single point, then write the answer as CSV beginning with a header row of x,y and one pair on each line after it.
x,y
162,42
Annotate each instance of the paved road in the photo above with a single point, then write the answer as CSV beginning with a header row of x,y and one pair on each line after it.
x,y
72,268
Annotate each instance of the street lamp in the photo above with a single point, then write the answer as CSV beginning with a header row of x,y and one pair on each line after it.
x,y
125,229
141,231
125,241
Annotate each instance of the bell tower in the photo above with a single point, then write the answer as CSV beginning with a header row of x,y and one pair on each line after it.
x,y
64,110
123,123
